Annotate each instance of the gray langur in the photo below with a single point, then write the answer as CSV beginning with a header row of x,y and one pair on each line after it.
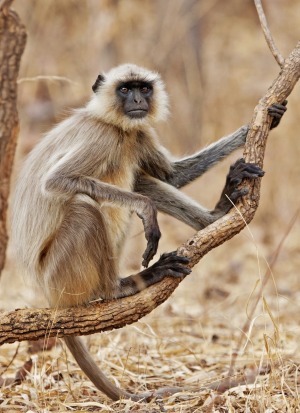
x,y
79,186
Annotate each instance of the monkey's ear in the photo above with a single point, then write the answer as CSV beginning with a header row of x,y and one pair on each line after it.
x,y
100,79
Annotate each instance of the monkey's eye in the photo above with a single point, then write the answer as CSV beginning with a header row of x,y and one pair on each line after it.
x,y
145,89
124,90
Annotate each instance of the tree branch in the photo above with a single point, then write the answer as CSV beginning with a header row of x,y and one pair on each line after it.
x,y
268,36
28,324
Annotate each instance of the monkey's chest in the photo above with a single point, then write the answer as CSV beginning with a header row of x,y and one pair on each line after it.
x,y
120,176
117,219
116,213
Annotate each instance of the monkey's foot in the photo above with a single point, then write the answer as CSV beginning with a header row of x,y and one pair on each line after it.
x,y
169,264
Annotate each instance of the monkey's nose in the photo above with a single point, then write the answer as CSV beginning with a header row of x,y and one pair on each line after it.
x,y
137,98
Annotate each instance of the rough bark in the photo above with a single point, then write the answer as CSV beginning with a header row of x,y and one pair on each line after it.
x,y
12,44
28,324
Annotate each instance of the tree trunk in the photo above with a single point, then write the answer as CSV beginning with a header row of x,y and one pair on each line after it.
x,y
12,44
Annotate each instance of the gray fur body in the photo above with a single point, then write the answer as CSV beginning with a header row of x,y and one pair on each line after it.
x,y
62,171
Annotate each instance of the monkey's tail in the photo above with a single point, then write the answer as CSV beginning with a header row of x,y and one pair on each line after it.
x,y
89,367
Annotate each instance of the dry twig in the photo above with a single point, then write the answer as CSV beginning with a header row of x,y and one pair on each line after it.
x,y
268,36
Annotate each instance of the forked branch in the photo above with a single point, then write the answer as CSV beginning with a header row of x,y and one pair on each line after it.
x,y
28,324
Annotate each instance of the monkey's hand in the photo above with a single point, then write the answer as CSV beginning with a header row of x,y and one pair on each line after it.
x,y
277,111
148,214
231,193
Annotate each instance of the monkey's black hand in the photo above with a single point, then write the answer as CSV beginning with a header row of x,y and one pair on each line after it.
x,y
148,214
237,172
277,111
169,264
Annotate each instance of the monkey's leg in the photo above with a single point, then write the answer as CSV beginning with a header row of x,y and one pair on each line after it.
x,y
78,263
60,182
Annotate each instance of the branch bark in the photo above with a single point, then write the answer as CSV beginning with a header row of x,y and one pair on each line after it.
x,y
28,324
12,44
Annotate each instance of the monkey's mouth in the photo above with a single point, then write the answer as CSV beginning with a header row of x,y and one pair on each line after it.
x,y
137,113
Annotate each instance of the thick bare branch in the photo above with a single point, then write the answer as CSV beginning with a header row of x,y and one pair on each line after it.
x,y
30,324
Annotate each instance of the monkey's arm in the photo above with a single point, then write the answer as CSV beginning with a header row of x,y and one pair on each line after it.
x,y
173,202
188,169
61,184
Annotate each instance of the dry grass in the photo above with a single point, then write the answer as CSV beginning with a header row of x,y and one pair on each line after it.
x,y
216,64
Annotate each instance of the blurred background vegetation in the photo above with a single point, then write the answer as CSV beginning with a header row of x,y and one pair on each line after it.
x,y
216,65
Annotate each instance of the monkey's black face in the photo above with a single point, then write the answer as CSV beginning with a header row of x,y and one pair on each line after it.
x,y
135,98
